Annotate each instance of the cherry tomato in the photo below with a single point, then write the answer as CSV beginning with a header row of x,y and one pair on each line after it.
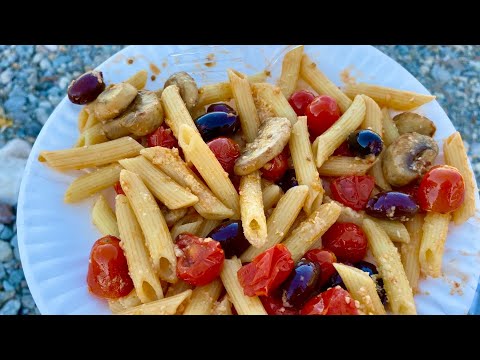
x,y
347,241
226,151
163,136
343,150
108,270
275,168
201,260
334,301
273,305
441,190
266,272
322,113
300,100
118,188
325,259
353,191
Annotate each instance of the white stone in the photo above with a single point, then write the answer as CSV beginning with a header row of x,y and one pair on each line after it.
x,y
6,252
51,47
13,158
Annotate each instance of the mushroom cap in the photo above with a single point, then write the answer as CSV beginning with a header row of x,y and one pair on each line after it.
x,y
187,87
411,122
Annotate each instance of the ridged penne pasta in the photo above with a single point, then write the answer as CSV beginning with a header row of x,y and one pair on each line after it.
x,y
245,305
166,306
346,165
188,224
410,252
155,229
377,172
172,216
270,196
305,169
223,307
147,285
95,135
93,155
244,104
321,84
280,221
203,298
176,112
306,234
171,164
177,288
373,116
362,287
207,227
435,230
208,166
254,222
392,98
290,70
104,218
390,131
390,268
173,195
456,156
138,80
124,303
272,97
82,118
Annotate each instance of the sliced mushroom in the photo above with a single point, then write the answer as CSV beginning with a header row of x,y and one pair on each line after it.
x,y
187,86
142,117
410,122
408,157
272,137
114,100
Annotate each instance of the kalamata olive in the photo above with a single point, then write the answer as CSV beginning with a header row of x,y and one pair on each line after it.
x,y
288,180
335,280
221,107
231,238
215,124
367,267
86,88
373,272
365,142
382,294
392,205
301,284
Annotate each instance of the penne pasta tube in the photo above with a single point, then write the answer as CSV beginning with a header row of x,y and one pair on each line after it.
x,y
271,97
290,71
203,299
362,287
82,118
124,303
162,186
207,227
373,116
177,288
254,222
138,80
104,218
306,234
244,104
392,98
390,131
245,305
166,306
270,196
94,135
209,168
93,182
321,84
377,172
171,164
456,156
390,268
188,224
172,216
93,155
331,139
280,221
410,252
150,218
223,307
346,165
147,285
435,229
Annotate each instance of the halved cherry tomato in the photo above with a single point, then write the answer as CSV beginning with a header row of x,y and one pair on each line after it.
x,y
163,136
275,168
322,113
118,188
353,191
226,151
266,272
324,258
273,305
108,270
343,150
441,190
347,241
334,301
201,260
300,100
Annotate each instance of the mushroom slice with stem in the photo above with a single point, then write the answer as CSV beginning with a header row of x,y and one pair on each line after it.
x,y
142,117
408,157
272,137
187,86
411,122
114,100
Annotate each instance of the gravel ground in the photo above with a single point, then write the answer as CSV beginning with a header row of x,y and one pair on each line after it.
x,y
33,80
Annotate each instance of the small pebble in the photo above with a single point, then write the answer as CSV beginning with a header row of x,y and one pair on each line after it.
x,y
6,252
11,307
6,214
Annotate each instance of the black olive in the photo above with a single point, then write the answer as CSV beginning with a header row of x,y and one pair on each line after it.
x,y
365,142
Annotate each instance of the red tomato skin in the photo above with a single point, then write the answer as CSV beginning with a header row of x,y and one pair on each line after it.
x,y
300,100
107,275
266,271
353,191
273,305
163,137
343,150
226,151
322,113
334,301
201,261
441,190
118,188
275,168
325,258
347,241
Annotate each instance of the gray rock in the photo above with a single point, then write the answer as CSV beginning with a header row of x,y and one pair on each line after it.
x,y
42,115
14,241
16,277
6,76
45,64
11,307
28,302
5,296
3,274
6,234
15,103
16,253
7,286
6,252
